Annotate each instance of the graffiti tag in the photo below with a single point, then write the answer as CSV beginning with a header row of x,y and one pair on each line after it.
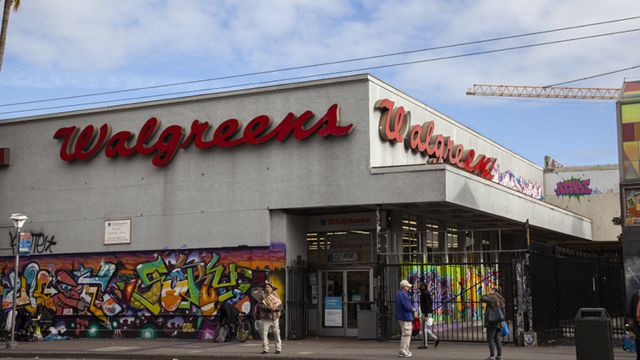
x,y
575,187
40,242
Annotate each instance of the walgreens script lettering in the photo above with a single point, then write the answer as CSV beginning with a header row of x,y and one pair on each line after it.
x,y
82,145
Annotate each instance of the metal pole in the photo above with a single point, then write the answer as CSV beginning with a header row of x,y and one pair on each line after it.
x,y
13,343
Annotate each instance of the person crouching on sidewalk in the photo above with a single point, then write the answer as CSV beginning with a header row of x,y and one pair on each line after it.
x,y
270,316
404,315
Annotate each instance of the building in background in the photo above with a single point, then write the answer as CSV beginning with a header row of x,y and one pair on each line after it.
x,y
591,191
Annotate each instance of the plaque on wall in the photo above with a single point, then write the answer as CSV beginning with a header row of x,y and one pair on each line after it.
x,y
117,232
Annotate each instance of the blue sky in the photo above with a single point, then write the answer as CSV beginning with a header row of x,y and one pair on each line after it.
x,y
77,47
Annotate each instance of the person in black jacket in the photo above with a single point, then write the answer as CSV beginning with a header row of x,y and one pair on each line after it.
x,y
634,320
426,307
495,302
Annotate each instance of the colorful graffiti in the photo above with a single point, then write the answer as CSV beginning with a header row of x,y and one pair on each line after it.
x,y
142,294
518,183
456,289
573,187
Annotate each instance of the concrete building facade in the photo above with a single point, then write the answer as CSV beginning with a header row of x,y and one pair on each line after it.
x,y
145,217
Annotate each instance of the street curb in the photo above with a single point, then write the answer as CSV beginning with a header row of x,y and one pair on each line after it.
x,y
111,355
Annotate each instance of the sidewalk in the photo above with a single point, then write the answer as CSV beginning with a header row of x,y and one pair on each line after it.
x,y
324,348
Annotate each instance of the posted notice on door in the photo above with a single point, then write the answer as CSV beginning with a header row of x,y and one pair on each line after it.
x,y
333,311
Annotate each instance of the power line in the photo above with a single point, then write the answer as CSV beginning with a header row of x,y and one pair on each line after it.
x,y
595,76
341,72
324,63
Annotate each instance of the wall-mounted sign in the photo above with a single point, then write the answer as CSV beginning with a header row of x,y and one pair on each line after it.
x,y
344,257
631,204
24,245
337,222
395,127
117,232
333,311
87,143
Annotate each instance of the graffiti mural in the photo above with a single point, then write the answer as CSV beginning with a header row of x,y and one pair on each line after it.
x,y
518,183
456,289
142,294
573,187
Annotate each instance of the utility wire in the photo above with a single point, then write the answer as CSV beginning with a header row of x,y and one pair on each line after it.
x,y
595,76
324,63
334,72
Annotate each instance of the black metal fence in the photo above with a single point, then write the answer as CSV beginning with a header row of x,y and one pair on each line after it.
x,y
456,285
563,281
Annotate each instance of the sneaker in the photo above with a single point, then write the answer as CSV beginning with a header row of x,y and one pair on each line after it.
x,y
405,355
491,358
409,353
264,352
277,352
437,343
422,347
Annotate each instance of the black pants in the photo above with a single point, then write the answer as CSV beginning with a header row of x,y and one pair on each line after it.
x,y
493,337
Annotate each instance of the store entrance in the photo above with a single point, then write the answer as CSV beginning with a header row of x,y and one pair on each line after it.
x,y
343,291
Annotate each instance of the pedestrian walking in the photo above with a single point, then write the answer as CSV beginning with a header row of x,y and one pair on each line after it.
x,y
634,319
270,316
493,318
426,306
404,315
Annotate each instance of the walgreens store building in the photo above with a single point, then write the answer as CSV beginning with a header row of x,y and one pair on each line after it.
x,y
143,217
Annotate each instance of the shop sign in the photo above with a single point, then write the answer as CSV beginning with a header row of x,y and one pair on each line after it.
x,y
395,127
342,257
333,311
349,221
82,145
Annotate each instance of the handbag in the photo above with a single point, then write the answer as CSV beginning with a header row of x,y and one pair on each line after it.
x,y
505,329
495,315
415,327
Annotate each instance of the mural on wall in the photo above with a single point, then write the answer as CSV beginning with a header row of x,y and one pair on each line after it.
x,y
518,183
574,187
456,295
632,206
142,294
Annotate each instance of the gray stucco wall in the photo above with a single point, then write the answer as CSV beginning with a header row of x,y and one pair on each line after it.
x,y
219,197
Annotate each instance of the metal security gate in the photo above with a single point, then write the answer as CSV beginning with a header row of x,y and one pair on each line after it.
x,y
296,309
565,280
456,282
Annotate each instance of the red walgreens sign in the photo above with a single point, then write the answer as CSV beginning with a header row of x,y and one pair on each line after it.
x,y
395,127
83,145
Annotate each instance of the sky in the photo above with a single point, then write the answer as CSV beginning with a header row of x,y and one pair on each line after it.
x,y
57,49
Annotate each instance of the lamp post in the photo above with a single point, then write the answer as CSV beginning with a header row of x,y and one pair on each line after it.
x,y
18,222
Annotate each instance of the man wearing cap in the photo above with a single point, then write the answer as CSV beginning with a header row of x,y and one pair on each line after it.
x,y
404,315
270,316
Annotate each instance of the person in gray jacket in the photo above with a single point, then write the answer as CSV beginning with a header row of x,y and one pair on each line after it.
x,y
494,302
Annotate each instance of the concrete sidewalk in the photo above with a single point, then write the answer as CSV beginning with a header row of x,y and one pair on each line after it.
x,y
324,348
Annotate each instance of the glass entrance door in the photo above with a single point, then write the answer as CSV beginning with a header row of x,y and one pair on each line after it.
x,y
343,292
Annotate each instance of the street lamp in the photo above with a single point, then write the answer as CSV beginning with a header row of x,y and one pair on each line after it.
x,y
18,222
